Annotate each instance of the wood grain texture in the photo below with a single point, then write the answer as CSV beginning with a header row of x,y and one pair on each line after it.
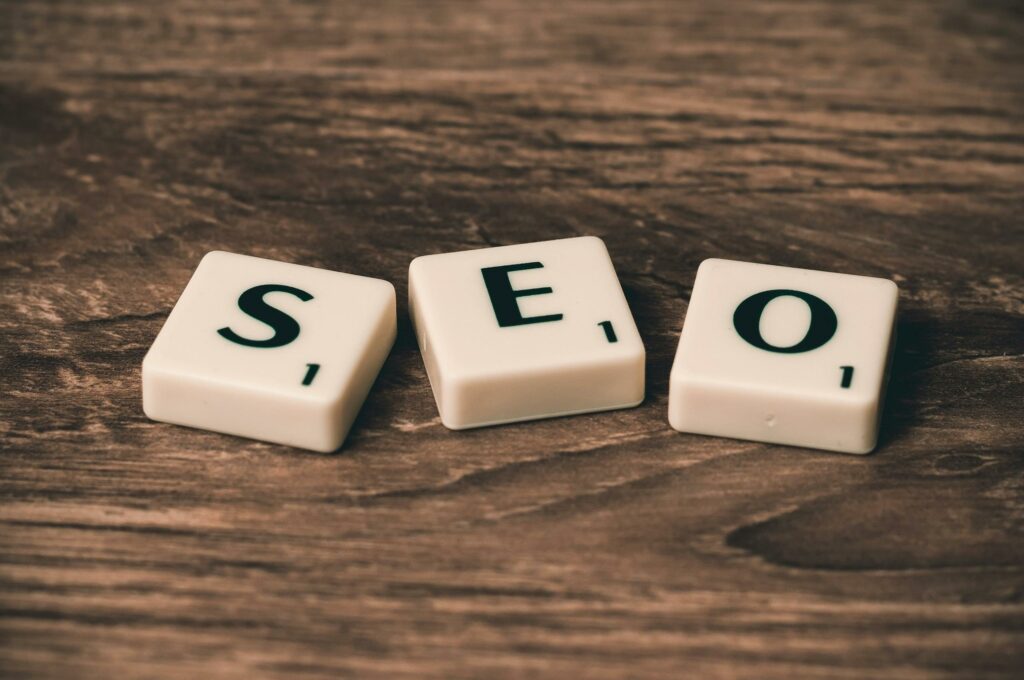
x,y
879,138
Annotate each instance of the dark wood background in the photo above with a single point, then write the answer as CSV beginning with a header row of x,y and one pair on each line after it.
x,y
882,138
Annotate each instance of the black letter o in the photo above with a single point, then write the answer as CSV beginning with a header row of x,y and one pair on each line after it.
x,y
747,321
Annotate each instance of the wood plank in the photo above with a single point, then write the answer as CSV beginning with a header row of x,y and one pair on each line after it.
x,y
879,139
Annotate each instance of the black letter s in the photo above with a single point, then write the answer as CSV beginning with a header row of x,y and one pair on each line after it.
x,y
286,329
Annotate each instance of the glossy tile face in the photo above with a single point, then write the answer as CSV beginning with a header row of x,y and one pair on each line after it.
x,y
782,355
270,350
526,331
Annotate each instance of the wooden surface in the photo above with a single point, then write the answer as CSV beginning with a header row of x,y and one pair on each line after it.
x,y
884,139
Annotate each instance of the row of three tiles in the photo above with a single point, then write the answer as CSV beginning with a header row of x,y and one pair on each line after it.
x,y
287,353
